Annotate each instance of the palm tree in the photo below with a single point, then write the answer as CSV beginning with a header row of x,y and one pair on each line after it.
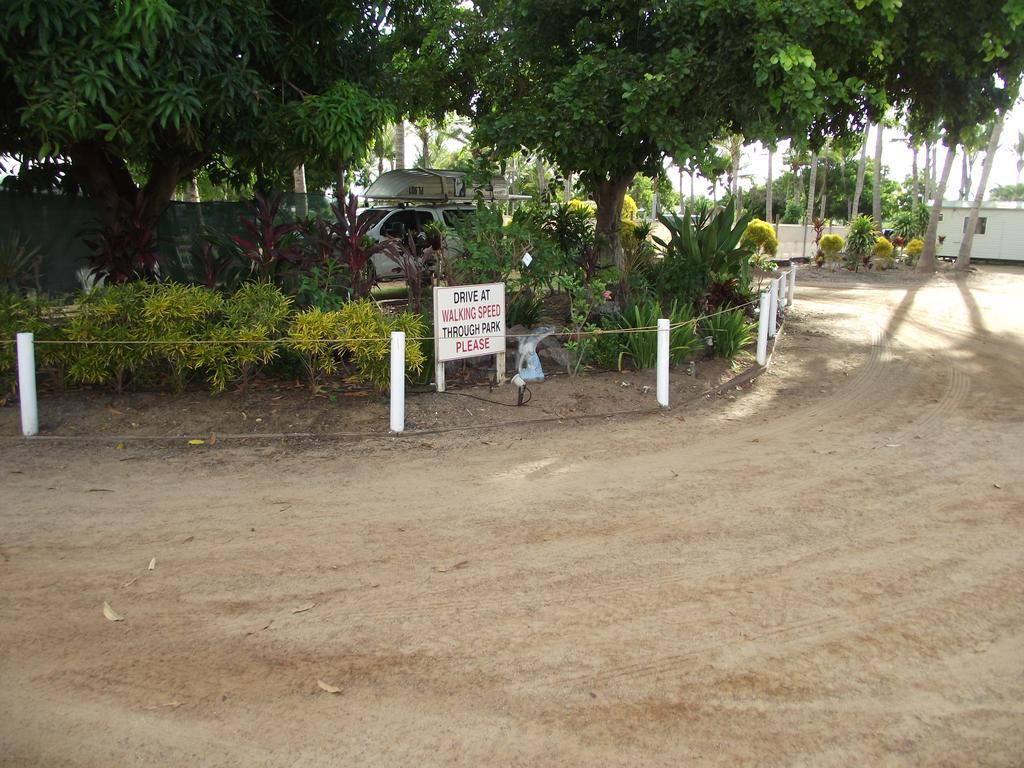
x,y
876,187
963,259
927,260
1019,149
862,164
399,144
768,215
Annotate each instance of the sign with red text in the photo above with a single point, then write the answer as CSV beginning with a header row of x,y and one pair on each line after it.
x,y
469,321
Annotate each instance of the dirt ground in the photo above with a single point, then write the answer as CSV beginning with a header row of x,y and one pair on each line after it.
x,y
823,569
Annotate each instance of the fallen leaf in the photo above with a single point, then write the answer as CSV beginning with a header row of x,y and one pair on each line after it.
x,y
892,445
244,415
110,613
188,539
327,687
98,490
259,629
457,567
213,438
170,704
997,485
152,564
119,447
114,411
304,608
130,582
196,442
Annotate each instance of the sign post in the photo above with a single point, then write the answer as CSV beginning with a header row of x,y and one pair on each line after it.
x,y
469,321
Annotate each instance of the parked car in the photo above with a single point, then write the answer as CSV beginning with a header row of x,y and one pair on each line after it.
x,y
413,197
401,220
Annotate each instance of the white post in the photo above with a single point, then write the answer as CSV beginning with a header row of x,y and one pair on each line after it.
x,y
397,381
792,285
773,309
762,328
664,347
27,385
782,293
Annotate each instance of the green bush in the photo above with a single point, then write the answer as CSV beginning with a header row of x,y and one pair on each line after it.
x,y
730,331
914,250
175,314
882,258
860,241
366,337
255,316
313,334
642,346
37,316
704,248
760,235
106,316
831,246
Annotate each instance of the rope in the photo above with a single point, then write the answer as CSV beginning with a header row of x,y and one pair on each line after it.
x,y
300,342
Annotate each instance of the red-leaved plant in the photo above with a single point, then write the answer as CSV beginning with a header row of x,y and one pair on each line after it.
x,y
347,240
125,249
268,245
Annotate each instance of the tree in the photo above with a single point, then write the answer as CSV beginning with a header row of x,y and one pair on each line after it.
x,y
141,95
876,196
1008,192
608,89
963,259
861,166
928,254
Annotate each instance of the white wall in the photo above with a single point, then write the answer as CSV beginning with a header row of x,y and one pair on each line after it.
x,y
791,240
1003,238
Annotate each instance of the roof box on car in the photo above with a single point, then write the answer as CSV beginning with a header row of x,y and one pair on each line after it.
x,y
436,186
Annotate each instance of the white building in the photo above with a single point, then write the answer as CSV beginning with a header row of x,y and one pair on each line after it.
x,y
999,234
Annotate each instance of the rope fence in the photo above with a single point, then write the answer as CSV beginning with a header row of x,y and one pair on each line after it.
x,y
290,340
770,304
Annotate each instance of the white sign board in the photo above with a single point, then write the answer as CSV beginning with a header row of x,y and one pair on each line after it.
x,y
469,321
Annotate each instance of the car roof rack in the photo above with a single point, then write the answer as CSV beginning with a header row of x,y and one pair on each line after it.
x,y
431,185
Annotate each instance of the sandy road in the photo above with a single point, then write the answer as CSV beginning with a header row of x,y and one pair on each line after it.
x,y
825,569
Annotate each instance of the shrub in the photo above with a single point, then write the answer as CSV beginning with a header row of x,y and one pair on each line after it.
x,y
525,309
366,336
255,315
883,258
860,241
730,332
642,347
30,315
760,235
703,248
587,206
313,334
830,246
109,314
176,314
913,250
629,209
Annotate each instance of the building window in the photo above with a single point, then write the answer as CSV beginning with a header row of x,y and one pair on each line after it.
x,y
978,230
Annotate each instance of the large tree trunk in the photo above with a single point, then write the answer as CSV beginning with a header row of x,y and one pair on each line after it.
x,y
106,179
769,215
963,259
927,262
862,164
876,186
609,195
398,144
